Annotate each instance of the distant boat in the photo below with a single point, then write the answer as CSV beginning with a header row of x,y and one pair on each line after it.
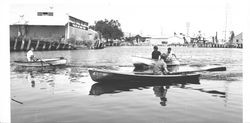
x,y
43,62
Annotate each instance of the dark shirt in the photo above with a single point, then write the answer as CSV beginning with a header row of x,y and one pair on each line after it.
x,y
156,54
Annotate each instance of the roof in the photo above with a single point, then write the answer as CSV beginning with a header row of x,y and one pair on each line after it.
x,y
41,15
34,19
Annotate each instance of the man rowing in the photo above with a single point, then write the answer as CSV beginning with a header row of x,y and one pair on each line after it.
x,y
160,67
30,55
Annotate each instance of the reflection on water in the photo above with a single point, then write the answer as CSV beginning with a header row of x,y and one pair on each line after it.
x,y
161,91
30,78
104,88
34,78
159,88
213,92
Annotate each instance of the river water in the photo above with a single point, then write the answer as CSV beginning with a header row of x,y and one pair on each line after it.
x,y
69,95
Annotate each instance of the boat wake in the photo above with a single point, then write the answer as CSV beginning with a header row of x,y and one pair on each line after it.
x,y
222,76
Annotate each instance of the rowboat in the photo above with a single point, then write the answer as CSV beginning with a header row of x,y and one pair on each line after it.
x,y
43,62
101,75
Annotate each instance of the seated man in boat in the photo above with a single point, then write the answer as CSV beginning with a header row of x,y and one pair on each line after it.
x,y
160,67
156,53
30,55
169,56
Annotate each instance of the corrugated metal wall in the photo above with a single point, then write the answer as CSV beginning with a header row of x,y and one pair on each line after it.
x,y
52,33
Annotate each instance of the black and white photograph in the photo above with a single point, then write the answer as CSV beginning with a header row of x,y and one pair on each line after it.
x,y
125,61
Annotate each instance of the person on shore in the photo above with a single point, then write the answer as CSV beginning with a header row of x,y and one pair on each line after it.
x,y
156,53
160,67
169,55
30,55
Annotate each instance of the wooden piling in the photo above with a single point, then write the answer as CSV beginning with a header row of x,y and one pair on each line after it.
x,y
63,47
44,46
15,44
22,45
69,47
37,44
28,46
49,46
58,46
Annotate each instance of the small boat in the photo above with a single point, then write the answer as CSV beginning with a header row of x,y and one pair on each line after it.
x,y
101,75
43,62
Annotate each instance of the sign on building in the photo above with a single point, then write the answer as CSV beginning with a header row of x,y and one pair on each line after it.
x,y
77,23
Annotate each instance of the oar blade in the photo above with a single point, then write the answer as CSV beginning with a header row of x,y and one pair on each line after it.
x,y
201,70
217,69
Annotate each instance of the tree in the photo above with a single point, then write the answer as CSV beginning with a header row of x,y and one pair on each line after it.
x,y
108,29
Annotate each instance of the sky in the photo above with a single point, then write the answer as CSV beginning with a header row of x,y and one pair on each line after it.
x,y
148,17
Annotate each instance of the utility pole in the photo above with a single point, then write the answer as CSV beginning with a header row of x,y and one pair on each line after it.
x,y
188,26
226,10
161,31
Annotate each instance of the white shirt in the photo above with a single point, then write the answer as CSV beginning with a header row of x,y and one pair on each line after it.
x,y
169,55
29,54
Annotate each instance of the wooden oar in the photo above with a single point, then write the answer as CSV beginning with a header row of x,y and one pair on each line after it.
x,y
44,62
209,69
143,58
183,72
16,101
93,66
155,60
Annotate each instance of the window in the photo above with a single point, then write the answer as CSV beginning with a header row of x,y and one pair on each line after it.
x,y
45,14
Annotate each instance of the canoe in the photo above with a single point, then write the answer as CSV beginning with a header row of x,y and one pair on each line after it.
x,y
43,62
101,75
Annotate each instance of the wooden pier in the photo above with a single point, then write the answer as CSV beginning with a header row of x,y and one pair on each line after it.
x,y
220,45
18,44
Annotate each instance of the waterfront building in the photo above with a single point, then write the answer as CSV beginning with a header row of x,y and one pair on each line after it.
x,y
238,40
45,25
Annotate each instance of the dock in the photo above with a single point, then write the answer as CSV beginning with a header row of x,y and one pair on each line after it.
x,y
19,44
